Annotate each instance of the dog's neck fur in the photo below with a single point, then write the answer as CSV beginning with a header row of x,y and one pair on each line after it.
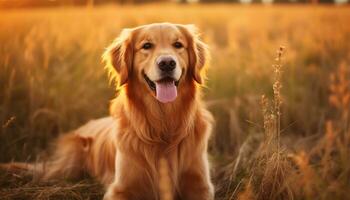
x,y
157,123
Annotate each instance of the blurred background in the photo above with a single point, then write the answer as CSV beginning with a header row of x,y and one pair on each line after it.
x,y
46,3
52,80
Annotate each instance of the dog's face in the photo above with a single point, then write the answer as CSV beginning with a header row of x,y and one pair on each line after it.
x,y
159,56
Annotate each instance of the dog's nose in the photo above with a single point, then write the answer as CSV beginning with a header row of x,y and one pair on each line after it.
x,y
166,63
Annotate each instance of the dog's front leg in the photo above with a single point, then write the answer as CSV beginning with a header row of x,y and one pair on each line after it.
x,y
195,181
130,181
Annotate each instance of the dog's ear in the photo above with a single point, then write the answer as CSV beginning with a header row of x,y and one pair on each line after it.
x,y
198,52
118,57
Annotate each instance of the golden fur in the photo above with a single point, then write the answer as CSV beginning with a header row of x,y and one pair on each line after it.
x,y
125,151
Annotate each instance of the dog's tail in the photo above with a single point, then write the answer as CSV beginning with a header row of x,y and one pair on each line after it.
x,y
68,161
28,169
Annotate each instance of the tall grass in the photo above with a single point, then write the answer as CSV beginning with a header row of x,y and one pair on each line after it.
x,y
52,80
320,173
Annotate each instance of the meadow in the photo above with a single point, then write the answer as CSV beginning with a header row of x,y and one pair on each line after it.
x,y
294,143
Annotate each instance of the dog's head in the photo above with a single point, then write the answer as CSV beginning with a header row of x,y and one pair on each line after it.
x,y
159,56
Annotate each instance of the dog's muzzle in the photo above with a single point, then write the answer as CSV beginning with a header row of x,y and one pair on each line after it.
x,y
165,89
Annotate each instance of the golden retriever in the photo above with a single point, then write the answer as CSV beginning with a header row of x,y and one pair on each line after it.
x,y
158,117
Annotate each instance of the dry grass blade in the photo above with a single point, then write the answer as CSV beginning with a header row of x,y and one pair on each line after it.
x,y
23,188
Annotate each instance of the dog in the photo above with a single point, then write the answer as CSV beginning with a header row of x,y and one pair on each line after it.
x,y
158,128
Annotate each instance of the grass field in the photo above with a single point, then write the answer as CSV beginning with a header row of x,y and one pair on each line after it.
x,y
52,80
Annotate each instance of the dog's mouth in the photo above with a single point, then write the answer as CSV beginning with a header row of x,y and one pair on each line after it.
x,y
165,89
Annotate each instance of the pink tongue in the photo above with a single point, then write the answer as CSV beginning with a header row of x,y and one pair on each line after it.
x,y
166,91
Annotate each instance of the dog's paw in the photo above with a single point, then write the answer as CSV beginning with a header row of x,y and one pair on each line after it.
x,y
113,194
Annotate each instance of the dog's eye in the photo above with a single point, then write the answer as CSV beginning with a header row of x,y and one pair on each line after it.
x,y
147,45
178,45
